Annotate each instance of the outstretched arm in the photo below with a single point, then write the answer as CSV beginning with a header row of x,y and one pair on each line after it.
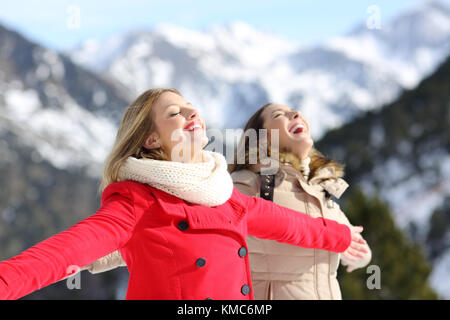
x,y
267,220
94,237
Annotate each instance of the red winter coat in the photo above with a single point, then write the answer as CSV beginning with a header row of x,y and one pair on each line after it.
x,y
173,249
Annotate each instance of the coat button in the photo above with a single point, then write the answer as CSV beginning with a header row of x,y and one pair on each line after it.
x,y
245,289
200,262
209,298
242,252
183,225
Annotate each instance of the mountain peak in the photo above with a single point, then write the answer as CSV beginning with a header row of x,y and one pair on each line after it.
x,y
244,32
428,11
427,5
237,29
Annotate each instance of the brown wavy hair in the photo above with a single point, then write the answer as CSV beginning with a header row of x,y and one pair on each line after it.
x,y
256,121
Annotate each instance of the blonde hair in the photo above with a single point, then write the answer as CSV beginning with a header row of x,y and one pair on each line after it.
x,y
136,125
256,121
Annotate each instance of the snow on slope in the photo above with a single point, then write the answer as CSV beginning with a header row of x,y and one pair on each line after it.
x,y
70,136
229,71
410,46
69,115
439,278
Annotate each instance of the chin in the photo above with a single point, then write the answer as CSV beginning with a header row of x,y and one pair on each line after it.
x,y
299,138
201,142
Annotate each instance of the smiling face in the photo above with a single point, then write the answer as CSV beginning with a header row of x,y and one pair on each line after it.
x,y
293,129
179,130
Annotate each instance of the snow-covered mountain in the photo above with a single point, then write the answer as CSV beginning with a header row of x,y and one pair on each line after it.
x,y
229,71
67,114
216,70
401,153
57,123
408,47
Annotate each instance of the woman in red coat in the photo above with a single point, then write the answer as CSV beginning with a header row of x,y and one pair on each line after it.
x,y
171,210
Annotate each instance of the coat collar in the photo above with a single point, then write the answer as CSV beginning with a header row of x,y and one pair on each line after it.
x,y
324,178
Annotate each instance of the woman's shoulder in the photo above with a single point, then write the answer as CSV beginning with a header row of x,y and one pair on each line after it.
x,y
132,190
246,181
245,176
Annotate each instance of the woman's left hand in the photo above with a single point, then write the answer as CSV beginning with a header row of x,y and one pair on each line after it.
x,y
357,249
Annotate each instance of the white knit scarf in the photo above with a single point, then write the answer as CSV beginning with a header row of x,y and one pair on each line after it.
x,y
206,183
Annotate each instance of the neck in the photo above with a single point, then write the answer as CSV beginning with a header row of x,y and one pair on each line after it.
x,y
302,154
196,156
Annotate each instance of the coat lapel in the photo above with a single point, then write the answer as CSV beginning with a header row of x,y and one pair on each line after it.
x,y
170,204
226,216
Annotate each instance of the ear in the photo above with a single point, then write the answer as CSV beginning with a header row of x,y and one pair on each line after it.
x,y
152,141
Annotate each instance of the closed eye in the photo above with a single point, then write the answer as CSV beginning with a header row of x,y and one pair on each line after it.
x,y
174,114
277,115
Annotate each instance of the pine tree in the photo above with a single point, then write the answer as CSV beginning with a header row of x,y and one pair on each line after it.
x,y
403,267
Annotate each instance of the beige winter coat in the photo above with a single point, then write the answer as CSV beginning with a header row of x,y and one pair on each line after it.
x,y
285,272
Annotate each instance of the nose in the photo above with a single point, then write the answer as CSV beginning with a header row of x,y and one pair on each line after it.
x,y
294,114
192,114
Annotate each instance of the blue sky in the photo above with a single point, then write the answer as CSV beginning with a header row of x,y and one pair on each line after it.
x,y
304,21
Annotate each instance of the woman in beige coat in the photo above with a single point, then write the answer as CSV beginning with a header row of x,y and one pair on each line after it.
x,y
303,180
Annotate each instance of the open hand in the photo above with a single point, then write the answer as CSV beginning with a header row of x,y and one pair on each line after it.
x,y
357,248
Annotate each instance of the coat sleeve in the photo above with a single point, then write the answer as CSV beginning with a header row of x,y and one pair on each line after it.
x,y
106,263
267,220
96,236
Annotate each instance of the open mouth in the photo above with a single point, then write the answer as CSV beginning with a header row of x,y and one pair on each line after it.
x,y
297,128
192,126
